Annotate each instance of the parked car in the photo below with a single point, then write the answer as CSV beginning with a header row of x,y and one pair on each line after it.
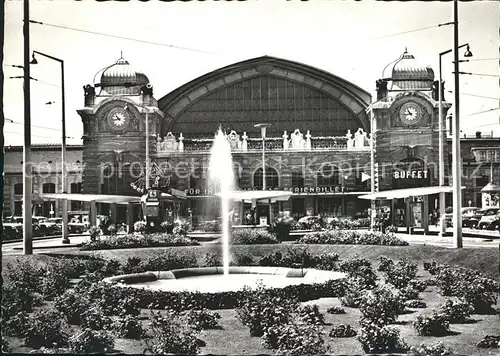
x,y
488,217
467,213
495,224
12,229
74,227
473,220
44,226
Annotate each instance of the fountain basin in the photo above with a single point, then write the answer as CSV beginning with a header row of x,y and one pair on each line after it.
x,y
212,279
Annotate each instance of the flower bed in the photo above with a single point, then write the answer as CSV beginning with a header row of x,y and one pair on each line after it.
x,y
138,241
252,237
351,237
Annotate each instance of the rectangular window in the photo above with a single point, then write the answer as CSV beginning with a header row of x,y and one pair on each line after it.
x,y
297,179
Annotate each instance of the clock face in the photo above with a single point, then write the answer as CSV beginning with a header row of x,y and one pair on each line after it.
x,y
118,118
410,113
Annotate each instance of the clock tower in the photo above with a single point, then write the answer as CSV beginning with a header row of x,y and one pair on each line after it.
x,y
114,134
405,125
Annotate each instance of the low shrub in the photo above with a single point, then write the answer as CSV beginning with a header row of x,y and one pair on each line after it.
x,y
202,319
140,226
478,291
72,304
91,341
128,327
437,349
335,310
380,339
94,318
327,261
342,330
138,241
310,314
55,281
169,260
212,260
261,310
252,237
241,259
132,265
418,285
45,328
349,224
15,324
401,273
385,263
408,293
16,301
295,339
95,233
171,336
113,301
432,325
415,304
430,266
360,269
456,310
380,306
489,342
209,226
351,237
354,290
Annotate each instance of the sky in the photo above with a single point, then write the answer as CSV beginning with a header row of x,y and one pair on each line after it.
x,y
353,40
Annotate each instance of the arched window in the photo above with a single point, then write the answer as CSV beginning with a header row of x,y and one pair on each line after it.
x,y
18,188
272,179
49,188
328,176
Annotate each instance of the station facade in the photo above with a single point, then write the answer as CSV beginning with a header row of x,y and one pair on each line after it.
x,y
318,145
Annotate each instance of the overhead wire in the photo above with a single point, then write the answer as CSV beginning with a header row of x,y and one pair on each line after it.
x,y
121,37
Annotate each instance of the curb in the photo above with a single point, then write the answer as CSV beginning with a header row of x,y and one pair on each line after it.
x,y
49,247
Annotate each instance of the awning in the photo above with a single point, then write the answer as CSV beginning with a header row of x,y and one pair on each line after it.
x,y
259,195
491,188
405,193
98,198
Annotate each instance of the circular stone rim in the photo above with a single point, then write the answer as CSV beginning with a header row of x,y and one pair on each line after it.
x,y
286,272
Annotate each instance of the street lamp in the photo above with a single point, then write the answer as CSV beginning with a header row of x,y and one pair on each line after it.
x,y
467,53
263,127
65,238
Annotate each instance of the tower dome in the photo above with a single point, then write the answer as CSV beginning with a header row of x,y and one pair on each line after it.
x,y
406,73
120,78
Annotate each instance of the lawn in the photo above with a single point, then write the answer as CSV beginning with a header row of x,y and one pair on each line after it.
x,y
234,338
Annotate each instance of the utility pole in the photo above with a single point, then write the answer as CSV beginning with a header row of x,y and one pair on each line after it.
x,y
27,221
456,168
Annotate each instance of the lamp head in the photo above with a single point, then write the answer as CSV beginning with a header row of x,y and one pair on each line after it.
x,y
33,59
467,53
263,127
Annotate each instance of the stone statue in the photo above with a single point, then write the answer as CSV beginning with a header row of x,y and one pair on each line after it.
x,y
359,138
181,143
170,142
285,141
244,143
350,141
234,140
308,140
297,139
158,142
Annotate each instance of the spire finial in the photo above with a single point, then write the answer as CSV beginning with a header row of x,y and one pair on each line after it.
x,y
406,49
121,54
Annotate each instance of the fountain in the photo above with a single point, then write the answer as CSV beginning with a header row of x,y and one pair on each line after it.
x,y
222,177
225,279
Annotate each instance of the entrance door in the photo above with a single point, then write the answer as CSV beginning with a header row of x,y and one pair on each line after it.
x,y
262,211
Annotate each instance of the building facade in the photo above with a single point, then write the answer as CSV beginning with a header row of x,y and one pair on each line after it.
x,y
318,144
